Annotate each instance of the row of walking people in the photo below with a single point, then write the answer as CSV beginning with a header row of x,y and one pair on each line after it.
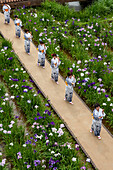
x,y
70,81
55,61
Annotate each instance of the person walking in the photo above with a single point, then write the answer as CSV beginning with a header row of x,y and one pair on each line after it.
x,y
6,9
28,38
18,25
98,115
55,62
70,83
41,53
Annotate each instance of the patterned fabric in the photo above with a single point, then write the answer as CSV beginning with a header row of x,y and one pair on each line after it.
x,y
41,54
28,38
55,68
27,47
6,9
96,127
18,25
70,83
68,96
42,62
97,122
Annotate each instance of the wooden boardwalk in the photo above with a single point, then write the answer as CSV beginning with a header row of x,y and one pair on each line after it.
x,y
77,117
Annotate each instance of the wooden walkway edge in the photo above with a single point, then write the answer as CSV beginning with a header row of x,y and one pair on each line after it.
x,y
77,117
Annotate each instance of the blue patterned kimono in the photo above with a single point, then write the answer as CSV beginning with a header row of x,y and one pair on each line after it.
x,y
18,24
70,83
6,9
97,122
28,38
41,54
55,68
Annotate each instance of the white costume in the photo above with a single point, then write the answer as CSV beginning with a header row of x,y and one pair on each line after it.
x,y
41,54
6,10
28,38
18,24
55,68
70,83
97,122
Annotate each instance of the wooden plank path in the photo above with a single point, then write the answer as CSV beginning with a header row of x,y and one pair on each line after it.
x,y
77,117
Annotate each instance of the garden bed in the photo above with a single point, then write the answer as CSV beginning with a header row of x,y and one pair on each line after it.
x,y
48,145
93,72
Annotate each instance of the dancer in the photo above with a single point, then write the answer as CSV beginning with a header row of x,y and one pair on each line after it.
x,y
70,83
28,38
6,9
18,25
41,53
98,115
55,62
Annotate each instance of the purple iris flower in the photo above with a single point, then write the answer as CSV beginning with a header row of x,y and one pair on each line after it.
x,y
35,140
57,161
30,88
73,23
46,138
10,58
94,87
39,91
83,167
31,81
25,163
40,117
23,6
38,114
49,113
54,168
17,96
16,117
101,85
35,135
28,166
35,118
52,123
46,104
81,42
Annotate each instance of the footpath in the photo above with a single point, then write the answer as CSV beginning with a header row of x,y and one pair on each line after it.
x,y
77,117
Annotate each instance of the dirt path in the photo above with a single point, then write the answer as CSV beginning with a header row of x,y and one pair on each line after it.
x,y
77,116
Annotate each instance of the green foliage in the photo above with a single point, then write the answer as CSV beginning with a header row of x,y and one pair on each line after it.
x,y
40,120
86,43
6,43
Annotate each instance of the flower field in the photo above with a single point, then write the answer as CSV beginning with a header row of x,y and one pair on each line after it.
x,y
47,145
84,47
